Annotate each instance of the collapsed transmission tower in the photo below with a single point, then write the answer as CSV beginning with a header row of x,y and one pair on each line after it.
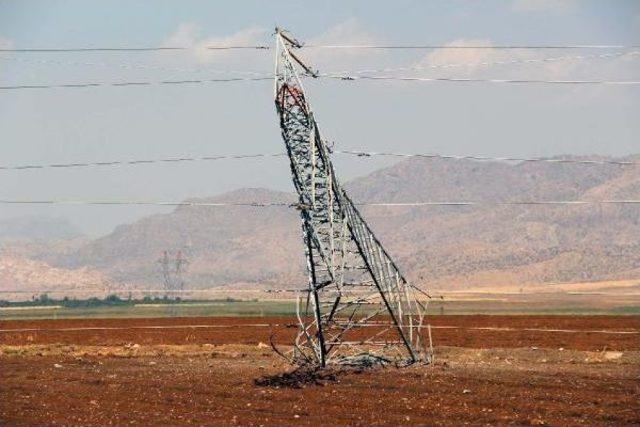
x,y
358,308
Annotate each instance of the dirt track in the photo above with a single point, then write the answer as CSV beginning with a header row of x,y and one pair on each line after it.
x,y
205,376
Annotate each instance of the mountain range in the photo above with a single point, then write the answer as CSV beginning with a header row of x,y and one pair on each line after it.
x,y
443,247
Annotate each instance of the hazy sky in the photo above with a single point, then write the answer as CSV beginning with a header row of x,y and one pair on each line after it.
x,y
67,125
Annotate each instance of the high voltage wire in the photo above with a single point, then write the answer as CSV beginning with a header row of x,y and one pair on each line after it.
x,y
129,66
515,203
143,203
343,77
308,46
299,206
487,158
141,161
134,49
103,287
137,83
361,154
338,76
474,80
491,63
502,47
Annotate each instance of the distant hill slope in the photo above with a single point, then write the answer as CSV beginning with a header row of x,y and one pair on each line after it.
x,y
36,228
444,247
222,244
23,275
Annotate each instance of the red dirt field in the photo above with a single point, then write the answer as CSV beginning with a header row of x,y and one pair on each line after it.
x,y
205,375
574,332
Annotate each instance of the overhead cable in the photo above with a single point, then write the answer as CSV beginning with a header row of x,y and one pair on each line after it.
x,y
514,203
347,77
427,66
133,49
300,206
358,153
141,203
137,83
343,77
308,46
141,161
106,289
487,158
137,66
451,46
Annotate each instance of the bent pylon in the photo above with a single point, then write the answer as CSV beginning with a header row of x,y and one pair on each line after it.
x,y
358,306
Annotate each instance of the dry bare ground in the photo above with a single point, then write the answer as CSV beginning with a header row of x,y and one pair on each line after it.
x,y
543,370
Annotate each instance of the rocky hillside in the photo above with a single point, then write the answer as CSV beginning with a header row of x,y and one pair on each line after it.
x,y
21,277
446,247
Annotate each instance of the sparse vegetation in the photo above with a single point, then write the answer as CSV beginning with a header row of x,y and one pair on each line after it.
x,y
108,301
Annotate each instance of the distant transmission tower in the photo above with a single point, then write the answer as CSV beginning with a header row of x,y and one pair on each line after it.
x,y
172,273
359,308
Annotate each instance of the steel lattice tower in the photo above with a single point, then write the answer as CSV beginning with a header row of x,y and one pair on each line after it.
x,y
359,308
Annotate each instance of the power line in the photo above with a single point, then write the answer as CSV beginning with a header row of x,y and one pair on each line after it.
x,y
342,74
135,49
487,158
500,47
129,66
137,83
357,153
136,290
307,46
342,77
142,203
141,161
516,203
474,80
491,63
298,206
